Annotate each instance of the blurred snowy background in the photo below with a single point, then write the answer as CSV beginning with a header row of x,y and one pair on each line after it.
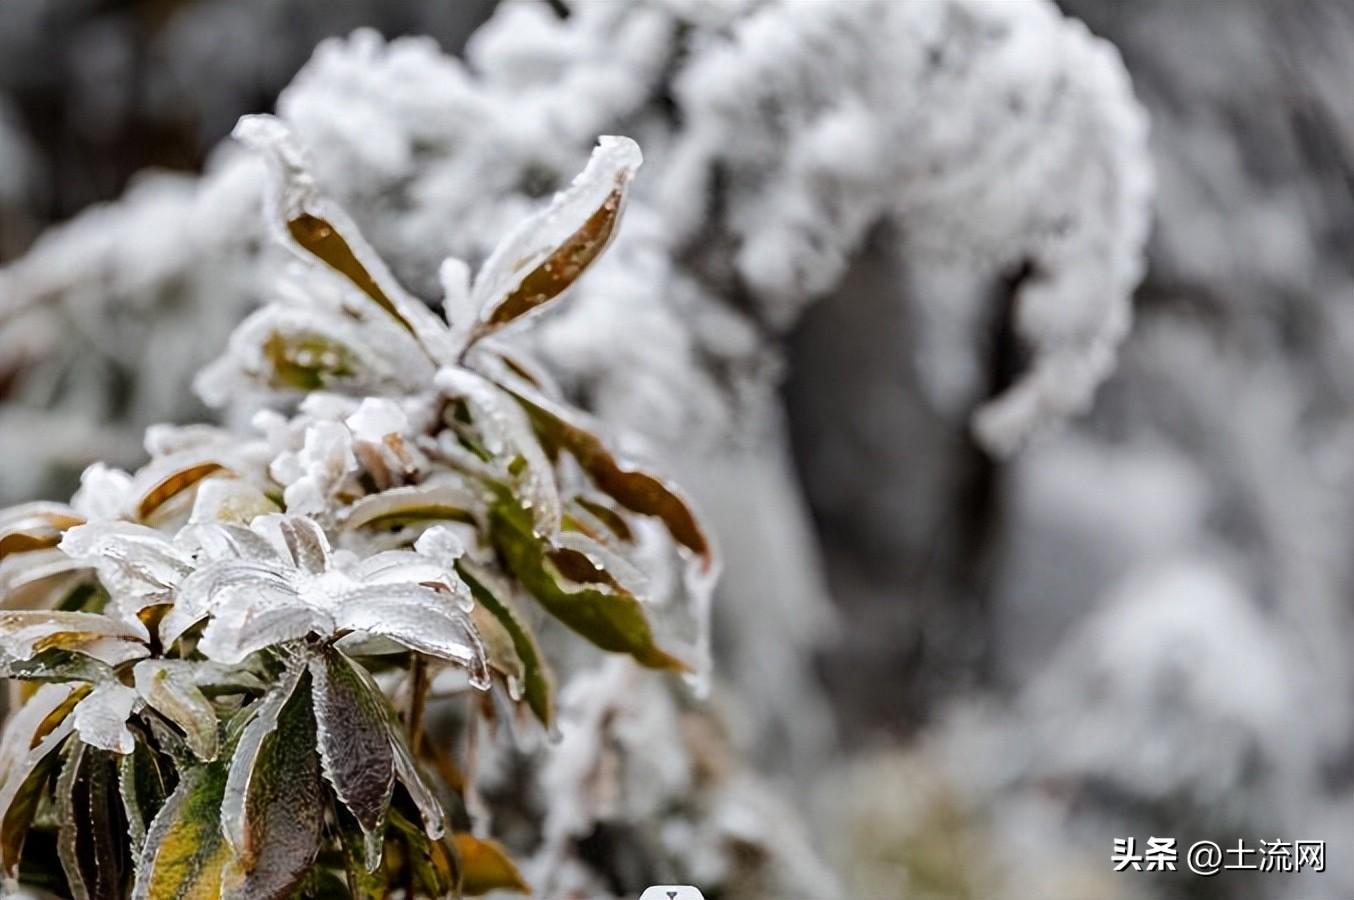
x,y
1009,346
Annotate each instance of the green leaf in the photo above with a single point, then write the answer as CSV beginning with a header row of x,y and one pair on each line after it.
x,y
486,866
308,360
272,811
609,617
434,864
538,685
355,751
633,488
93,838
185,851
363,883
143,786
168,687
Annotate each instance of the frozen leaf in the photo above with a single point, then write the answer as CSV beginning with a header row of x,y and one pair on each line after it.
x,y
433,864
229,501
508,435
302,350
59,665
272,809
538,687
407,771
633,488
101,718
137,565
36,579
105,493
402,506
355,751
321,231
167,477
609,617
546,253
143,788
486,866
168,687
26,633
27,760
34,526
236,632
93,837
423,619
185,852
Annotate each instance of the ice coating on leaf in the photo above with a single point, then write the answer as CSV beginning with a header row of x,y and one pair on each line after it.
x,y
101,718
422,619
138,565
34,526
166,477
104,493
606,560
375,418
236,632
229,500
25,633
320,230
545,254
168,687
430,501
507,432
287,349
355,751
272,811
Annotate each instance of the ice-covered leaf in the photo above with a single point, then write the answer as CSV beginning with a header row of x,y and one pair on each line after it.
x,y
229,501
28,757
93,838
507,435
100,719
433,865
355,751
321,231
139,566
546,253
633,488
486,867
38,578
402,506
142,786
34,526
25,634
272,810
423,619
169,688
185,852
302,350
236,632
609,617
230,584
537,686
168,477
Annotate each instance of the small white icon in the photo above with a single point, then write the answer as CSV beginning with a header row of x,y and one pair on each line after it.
x,y
672,892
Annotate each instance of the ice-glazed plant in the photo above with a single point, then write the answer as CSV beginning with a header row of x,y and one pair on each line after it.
x,y
221,662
